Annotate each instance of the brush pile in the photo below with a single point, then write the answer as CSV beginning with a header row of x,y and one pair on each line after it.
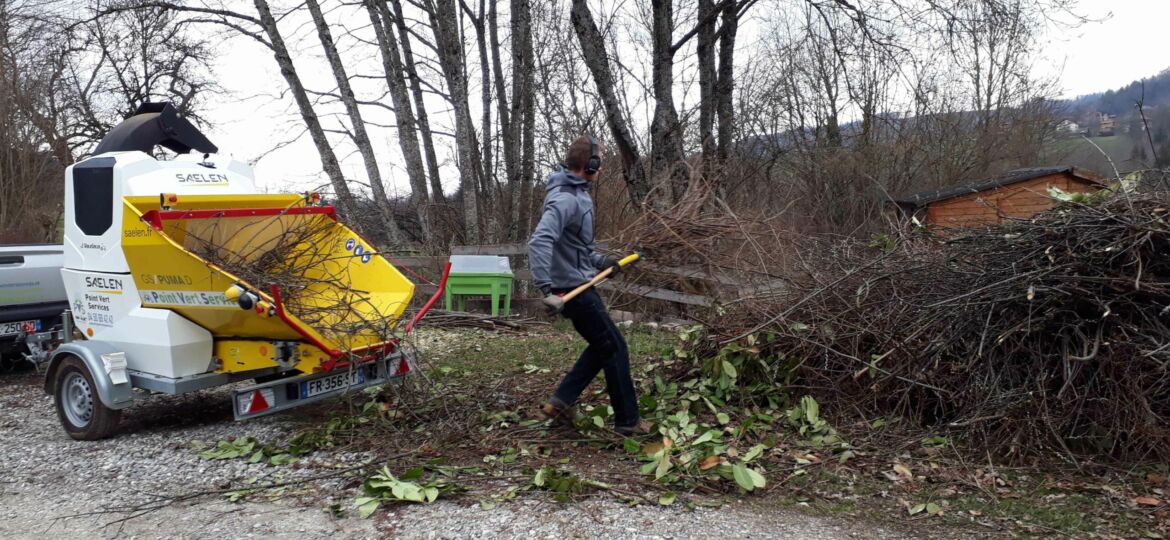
x,y
1038,336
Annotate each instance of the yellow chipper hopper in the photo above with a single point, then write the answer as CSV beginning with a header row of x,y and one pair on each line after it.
x,y
181,277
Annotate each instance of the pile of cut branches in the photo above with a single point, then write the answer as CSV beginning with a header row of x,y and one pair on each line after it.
x,y
1038,336
297,254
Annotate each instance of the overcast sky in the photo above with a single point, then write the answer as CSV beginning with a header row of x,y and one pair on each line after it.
x,y
1129,42
1124,41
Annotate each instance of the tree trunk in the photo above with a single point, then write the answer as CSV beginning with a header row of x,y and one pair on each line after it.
x,y
424,124
445,25
305,105
705,50
519,133
596,59
725,81
487,176
666,135
360,137
381,19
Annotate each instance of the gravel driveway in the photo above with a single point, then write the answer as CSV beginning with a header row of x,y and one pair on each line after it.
x,y
51,486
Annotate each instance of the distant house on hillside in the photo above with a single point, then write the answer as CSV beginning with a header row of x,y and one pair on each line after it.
x,y
1108,122
1069,127
1021,193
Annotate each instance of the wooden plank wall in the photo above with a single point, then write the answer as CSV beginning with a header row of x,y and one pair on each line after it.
x,y
431,268
1021,200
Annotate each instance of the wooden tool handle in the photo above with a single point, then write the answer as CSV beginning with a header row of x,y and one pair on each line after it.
x,y
601,276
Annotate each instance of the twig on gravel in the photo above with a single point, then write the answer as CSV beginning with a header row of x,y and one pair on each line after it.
x,y
164,501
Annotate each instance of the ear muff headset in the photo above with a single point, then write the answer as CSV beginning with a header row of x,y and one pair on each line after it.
x,y
594,163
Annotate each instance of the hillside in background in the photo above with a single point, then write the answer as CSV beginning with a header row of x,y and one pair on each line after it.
x,y
1122,100
1106,131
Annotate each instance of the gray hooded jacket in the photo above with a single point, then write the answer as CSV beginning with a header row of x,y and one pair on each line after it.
x,y
561,252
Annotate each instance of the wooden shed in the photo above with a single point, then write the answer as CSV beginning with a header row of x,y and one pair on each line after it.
x,y
1021,193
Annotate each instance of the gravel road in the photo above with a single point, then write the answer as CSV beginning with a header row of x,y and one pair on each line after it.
x,y
51,486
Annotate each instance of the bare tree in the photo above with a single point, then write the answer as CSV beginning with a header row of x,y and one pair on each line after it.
x,y
597,60
358,126
518,127
444,18
420,109
381,19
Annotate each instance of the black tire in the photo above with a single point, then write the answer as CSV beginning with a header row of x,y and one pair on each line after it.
x,y
81,412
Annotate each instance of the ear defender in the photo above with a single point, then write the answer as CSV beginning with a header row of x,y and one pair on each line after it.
x,y
594,163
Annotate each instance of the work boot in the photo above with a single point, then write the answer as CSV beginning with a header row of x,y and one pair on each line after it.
x,y
559,416
643,427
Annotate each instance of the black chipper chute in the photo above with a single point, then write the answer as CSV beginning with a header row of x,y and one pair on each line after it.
x,y
155,124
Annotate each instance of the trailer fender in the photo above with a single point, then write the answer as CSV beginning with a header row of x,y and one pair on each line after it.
x,y
109,375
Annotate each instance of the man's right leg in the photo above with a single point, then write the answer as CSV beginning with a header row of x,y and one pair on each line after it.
x,y
582,312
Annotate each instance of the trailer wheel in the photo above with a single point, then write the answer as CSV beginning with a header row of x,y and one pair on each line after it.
x,y
82,413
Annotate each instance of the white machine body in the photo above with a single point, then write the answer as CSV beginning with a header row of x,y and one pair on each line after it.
x,y
102,294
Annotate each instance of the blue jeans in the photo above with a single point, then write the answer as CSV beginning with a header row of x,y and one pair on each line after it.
x,y
606,352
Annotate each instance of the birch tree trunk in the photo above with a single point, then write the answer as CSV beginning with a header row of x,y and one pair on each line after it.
x,y
360,137
520,133
424,124
305,106
445,25
380,18
596,59
479,22
487,177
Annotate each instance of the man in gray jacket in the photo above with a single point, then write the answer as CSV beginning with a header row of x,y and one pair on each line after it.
x,y
561,256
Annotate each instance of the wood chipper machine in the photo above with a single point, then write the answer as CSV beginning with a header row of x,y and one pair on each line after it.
x,y
181,277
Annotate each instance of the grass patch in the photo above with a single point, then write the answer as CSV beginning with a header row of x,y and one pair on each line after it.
x,y
487,354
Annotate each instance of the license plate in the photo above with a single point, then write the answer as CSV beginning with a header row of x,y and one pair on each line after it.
x,y
18,327
332,383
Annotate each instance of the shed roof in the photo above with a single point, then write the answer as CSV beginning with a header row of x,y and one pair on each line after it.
x,y
1005,179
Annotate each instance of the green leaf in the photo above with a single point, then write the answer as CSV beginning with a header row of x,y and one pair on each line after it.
x,y
722,418
281,459
706,436
664,466
431,493
812,411
917,509
412,492
259,455
411,474
754,452
632,446
739,472
758,479
366,506
648,467
538,480
667,499
846,456
729,369
933,509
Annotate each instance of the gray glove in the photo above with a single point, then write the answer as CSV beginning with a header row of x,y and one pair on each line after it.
x,y
553,304
611,262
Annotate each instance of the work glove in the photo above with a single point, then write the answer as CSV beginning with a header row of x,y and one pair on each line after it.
x,y
553,304
611,262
